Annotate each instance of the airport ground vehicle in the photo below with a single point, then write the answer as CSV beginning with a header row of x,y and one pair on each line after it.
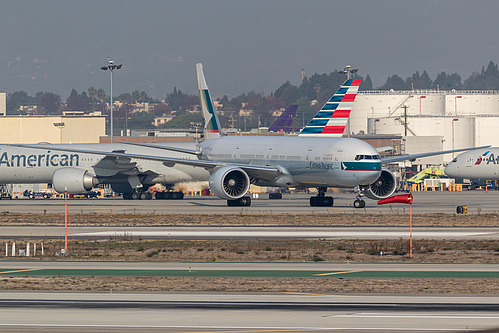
x,y
36,194
87,195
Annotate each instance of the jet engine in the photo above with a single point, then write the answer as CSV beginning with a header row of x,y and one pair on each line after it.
x,y
74,180
383,187
229,183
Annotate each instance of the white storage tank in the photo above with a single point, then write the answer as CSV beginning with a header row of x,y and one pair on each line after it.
x,y
487,131
383,104
458,132
467,103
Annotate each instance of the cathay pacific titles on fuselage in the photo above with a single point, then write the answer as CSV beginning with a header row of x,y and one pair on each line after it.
x,y
38,160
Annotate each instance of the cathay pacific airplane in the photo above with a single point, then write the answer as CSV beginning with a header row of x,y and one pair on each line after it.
x,y
318,157
475,164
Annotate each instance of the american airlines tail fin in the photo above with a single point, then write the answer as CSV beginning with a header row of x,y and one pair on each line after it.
x,y
332,118
211,123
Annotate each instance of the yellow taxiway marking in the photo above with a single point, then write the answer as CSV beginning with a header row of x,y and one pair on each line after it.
x,y
21,270
334,273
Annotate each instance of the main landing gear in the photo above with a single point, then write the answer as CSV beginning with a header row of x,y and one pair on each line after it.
x,y
244,201
146,195
321,200
137,195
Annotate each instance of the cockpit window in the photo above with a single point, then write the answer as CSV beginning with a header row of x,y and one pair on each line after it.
x,y
454,160
366,157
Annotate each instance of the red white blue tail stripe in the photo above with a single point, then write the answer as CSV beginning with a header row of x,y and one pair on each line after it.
x,y
332,118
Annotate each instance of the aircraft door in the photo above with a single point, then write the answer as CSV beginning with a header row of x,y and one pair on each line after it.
x,y
337,160
236,155
268,156
309,156
469,160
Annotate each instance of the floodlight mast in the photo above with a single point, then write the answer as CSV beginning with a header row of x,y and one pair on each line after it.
x,y
111,67
347,70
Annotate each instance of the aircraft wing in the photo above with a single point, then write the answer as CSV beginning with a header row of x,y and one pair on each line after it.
x,y
152,145
254,171
170,161
392,159
383,149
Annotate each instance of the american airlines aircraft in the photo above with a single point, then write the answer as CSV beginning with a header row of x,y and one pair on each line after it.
x,y
77,168
475,164
317,157
283,123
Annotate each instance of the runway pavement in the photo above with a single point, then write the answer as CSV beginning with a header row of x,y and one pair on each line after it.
x,y
256,232
424,202
248,266
237,313
245,266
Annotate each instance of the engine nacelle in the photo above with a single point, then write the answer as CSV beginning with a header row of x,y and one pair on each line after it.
x,y
383,187
74,180
229,183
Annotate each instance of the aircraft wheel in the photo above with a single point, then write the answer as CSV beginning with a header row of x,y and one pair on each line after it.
x,y
244,201
321,201
177,195
275,195
134,196
359,203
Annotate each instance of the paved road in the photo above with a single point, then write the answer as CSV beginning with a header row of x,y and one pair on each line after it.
x,y
237,313
234,266
424,202
256,232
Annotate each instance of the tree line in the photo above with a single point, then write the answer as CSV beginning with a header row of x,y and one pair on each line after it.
x,y
310,95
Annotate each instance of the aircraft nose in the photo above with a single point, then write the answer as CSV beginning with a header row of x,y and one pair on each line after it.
x,y
451,170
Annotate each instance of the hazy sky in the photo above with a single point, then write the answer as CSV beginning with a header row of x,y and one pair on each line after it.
x,y
55,46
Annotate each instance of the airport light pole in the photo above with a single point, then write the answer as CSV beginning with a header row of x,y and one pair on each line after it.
x,y
111,67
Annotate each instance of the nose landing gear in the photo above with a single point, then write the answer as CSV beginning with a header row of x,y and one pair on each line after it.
x,y
359,202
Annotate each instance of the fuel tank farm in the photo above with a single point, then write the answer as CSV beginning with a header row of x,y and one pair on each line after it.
x,y
463,118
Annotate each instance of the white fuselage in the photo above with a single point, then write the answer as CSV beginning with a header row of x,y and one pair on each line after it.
x,y
475,164
306,161
28,165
